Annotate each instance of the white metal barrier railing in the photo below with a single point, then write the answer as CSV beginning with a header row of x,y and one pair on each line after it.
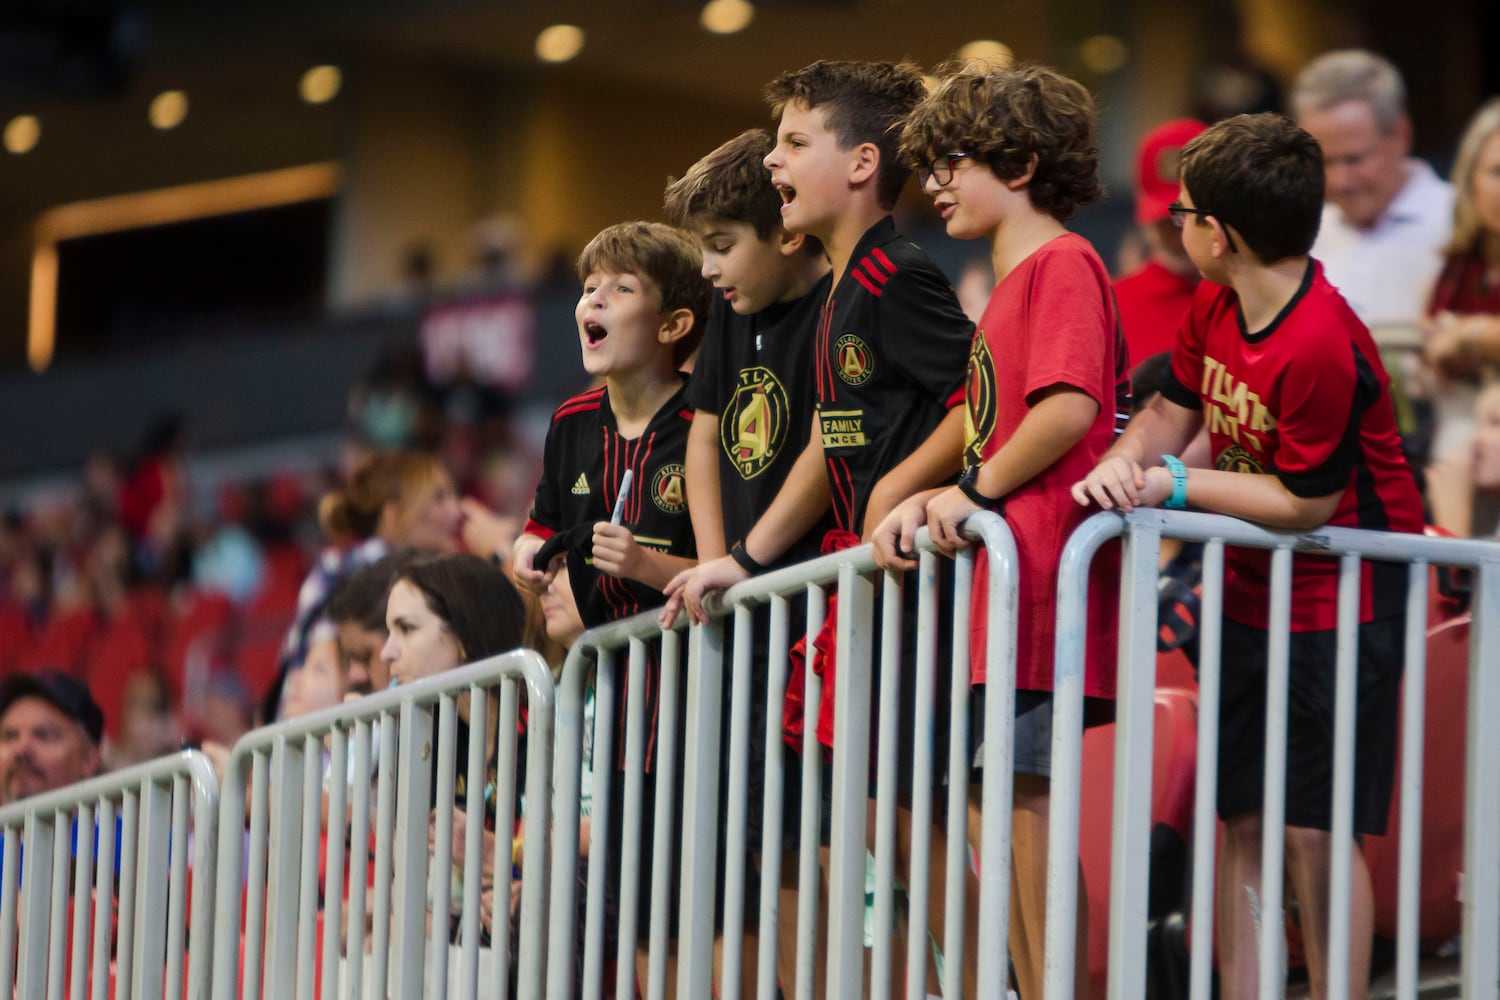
x,y
1143,531
404,742
118,846
859,654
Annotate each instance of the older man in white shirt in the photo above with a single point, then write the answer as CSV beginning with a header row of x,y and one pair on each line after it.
x,y
1387,217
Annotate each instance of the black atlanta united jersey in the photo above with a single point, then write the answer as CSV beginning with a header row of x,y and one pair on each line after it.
x,y
891,353
584,459
756,374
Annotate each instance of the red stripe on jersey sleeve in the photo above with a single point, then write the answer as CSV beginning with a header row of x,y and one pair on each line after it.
x,y
873,270
539,530
885,262
870,286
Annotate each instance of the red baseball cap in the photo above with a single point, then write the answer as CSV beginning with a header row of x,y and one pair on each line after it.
x,y
1156,167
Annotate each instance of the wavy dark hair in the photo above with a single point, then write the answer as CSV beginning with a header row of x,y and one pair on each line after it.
x,y
474,598
862,102
1005,117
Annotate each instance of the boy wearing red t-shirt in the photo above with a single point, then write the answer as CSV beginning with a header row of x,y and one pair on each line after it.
x,y
1007,156
1290,386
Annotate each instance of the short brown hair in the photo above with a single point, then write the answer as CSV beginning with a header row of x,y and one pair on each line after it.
x,y
1007,116
1262,175
665,257
862,102
730,184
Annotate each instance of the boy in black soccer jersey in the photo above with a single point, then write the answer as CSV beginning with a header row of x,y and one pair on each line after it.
x,y
752,397
892,344
639,317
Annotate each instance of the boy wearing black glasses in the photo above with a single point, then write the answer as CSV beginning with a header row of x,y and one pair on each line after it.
x,y
1007,156
1290,386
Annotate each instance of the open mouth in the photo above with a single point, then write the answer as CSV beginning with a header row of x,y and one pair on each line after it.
x,y
788,194
594,332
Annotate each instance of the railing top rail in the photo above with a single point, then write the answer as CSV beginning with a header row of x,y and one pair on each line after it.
x,y
187,763
1383,546
984,526
527,664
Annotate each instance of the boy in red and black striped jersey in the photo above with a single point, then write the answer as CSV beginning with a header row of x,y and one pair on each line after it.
x,y
1007,156
639,318
890,348
1290,386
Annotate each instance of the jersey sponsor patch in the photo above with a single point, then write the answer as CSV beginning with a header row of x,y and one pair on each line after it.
x,y
754,424
853,360
669,489
842,428
581,486
979,401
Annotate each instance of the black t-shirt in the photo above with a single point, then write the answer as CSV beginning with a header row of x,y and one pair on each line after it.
x,y
891,353
756,374
584,459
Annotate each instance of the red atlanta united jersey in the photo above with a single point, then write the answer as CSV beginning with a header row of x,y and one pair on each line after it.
x,y
1305,400
584,459
892,347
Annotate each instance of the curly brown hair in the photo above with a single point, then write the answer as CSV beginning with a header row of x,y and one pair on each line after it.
x,y
1005,117
731,184
666,258
862,102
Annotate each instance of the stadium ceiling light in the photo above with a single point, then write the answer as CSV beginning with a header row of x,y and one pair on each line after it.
x,y
559,43
1103,53
725,17
22,133
993,54
320,84
168,109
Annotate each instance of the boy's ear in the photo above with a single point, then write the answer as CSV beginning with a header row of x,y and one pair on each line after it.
x,y
1017,183
864,162
790,244
675,325
1220,245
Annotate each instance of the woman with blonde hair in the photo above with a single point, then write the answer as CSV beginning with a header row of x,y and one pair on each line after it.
x,y
393,498
1463,326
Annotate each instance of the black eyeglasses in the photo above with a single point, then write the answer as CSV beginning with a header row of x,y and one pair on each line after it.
x,y
942,168
1179,213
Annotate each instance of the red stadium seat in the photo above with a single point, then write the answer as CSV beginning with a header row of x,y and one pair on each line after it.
x,y
1442,797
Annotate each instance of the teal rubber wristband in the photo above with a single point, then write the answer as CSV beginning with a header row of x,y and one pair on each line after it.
x,y
1178,499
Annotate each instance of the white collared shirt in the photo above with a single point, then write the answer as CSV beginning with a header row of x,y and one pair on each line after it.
x,y
1386,272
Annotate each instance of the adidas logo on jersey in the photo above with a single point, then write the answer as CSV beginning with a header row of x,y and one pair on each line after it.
x,y
581,487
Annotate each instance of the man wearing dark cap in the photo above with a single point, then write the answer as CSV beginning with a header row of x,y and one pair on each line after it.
x,y
1155,296
50,728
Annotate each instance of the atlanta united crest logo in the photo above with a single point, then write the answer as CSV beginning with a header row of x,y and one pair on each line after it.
x,y
1237,458
979,401
669,489
851,359
753,426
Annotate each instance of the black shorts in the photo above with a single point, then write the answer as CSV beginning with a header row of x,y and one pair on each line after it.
x,y
1032,737
1309,756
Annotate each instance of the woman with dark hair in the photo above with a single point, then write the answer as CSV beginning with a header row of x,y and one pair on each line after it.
x,y
441,613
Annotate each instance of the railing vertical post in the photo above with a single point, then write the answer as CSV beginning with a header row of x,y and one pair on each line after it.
x,y
35,903
668,724
566,795
775,785
1210,635
285,865
998,793
1272,971
1346,684
57,934
409,889
887,758
631,818
700,808
738,803
809,873
1481,920
919,878
1130,861
1067,751
151,880
1413,740
851,788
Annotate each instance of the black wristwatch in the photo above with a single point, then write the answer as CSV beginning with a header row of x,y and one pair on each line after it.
x,y
969,484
